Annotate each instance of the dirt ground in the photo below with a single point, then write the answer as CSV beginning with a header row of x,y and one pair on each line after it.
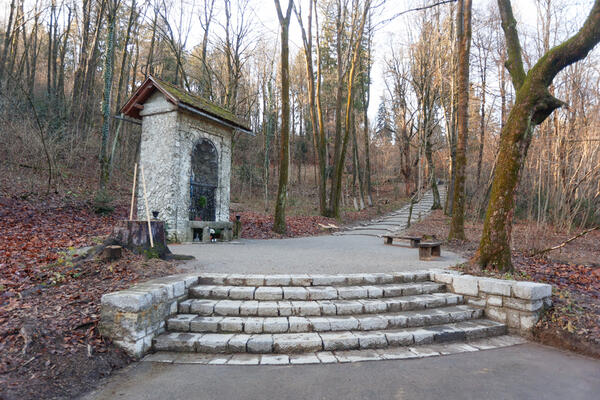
x,y
574,270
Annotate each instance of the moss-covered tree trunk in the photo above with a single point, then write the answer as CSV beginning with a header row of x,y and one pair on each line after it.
x,y
457,225
284,158
533,104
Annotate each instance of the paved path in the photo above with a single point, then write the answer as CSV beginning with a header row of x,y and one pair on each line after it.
x,y
353,251
527,371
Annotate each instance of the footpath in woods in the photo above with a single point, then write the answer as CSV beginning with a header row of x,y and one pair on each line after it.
x,y
511,367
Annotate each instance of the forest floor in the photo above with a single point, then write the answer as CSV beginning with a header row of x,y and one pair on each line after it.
x,y
50,301
573,322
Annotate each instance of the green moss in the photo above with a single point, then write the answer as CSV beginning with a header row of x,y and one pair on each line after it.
x,y
201,103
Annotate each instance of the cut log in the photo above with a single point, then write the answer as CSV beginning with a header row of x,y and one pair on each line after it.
x,y
133,235
111,253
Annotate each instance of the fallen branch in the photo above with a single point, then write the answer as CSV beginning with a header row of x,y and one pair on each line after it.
x,y
563,244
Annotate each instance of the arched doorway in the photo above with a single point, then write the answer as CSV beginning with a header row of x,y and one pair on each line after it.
x,y
204,181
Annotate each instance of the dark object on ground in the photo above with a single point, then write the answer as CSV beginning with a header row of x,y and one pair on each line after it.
x,y
414,240
429,250
133,235
237,227
111,253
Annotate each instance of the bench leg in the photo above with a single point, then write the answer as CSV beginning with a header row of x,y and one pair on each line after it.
x,y
436,251
389,240
424,253
414,242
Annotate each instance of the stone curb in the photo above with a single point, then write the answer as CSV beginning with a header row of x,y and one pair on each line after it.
x,y
133,317
335,357
518,304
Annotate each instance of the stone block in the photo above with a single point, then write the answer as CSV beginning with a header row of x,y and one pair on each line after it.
x,y
253,325
203,307
249,308
201,291
343,323
235,280
371,323
274,359
213,343
495,301
403,277
348,307
267,309
322,292
275,325
319,324
298,324
327,280
309,358
227,307
412,290
496,313
495,286
284,308
181,322
278,280
237,344
393,290
328,307
401,338
465,284
523,305
374,291
397,321
260,344
231,324
244,359
373,306
255,280
528,320
301,280
220,292
443,277
268,293
205,324
297,343
422,336
295,293
242,293
127,301
305,308
352,292
371,340
531,290
513,319
339,341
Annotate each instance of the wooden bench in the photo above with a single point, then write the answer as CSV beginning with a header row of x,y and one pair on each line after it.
x,y
414,240
429,250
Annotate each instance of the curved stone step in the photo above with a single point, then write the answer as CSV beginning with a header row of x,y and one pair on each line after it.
x,y
287,343
313,292
292,324
312,279
208,307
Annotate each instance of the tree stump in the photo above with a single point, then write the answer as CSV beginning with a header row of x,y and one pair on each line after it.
x,y
133,235
111,253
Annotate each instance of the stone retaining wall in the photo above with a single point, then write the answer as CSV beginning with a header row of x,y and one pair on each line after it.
x,y
133,317
518,304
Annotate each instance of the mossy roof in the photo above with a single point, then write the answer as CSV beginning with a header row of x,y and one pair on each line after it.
x,y
180,95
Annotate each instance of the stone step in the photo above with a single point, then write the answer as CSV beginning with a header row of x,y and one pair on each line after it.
x,y
287,343
312,279
294,324
313,292
284,308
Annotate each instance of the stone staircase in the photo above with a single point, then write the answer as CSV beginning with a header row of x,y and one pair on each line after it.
x,y
398,220
315,316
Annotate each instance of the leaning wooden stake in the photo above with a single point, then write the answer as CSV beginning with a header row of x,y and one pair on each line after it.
x,y
147,209
133,191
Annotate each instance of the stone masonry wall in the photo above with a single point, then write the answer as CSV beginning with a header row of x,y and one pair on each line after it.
x,y
133,317
518,304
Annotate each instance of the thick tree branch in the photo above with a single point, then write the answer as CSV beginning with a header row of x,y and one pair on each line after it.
x,y
514,63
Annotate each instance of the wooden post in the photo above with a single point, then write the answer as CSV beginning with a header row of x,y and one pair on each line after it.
x,y
133,191
147,209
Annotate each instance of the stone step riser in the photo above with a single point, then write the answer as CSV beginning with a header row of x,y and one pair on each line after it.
x,y
306,280
254,308
253,325
277,293
329,341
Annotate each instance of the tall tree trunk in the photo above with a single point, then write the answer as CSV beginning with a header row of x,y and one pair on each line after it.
x,y
106,100
533,104
279,225
7,37
457,228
